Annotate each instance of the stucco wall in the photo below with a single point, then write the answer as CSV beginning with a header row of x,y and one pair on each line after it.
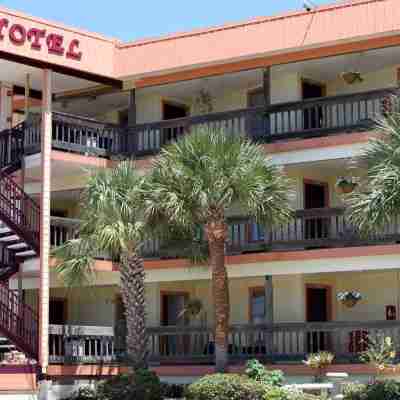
x,y
285,87
97,305
384,78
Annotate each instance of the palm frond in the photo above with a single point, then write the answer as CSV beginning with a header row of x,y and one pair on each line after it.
x,y
377,202
75,262
208,172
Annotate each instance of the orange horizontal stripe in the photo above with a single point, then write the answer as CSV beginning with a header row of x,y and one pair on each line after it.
x,y
201,370
253,258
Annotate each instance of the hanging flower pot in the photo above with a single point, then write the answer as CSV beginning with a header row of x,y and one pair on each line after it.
x,y
345,186
193,308
352,77
349,303
349,298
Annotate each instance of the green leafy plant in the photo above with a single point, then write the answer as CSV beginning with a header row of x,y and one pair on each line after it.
x,y
287,393
83,393
143,385
226,387
255,370
380,353
354,391
382,390
319,362
173,390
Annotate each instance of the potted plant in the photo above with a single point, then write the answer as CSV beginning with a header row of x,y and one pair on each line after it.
x,y
349,298
193,308
380,354
345,186
319,363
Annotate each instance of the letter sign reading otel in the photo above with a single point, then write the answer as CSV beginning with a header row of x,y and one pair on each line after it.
x,y
39,38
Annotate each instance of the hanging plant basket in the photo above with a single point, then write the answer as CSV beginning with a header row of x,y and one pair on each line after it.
x,y
349,299
352,77
350,303
193,308
345,186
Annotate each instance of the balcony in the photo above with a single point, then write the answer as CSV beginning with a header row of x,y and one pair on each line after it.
x,y
195,345
301,119
309,229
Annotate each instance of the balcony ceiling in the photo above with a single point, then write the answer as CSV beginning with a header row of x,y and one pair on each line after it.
x,y
329,68
323,70
15,74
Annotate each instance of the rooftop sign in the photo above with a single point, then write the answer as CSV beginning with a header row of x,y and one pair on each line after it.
x,y
40,39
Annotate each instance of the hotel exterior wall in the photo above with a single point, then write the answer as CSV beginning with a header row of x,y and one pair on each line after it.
x,y
97,51
97,305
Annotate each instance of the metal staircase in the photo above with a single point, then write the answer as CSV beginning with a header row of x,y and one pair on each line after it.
x,y
19,241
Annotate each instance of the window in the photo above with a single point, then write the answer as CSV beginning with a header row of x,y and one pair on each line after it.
x,y
257,305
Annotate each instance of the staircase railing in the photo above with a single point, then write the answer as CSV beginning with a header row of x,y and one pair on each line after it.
x,y
18,322
11,148
19,211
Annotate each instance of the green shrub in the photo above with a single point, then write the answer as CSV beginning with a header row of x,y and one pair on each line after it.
x,y
143,385
354,391
280,393
381,390
172,390
256,371
83,393
226,387
384,390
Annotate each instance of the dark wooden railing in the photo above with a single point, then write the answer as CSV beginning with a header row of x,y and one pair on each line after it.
x,y
326,227
62,230
276,342
18,322
149,138
11,148
295,119
81,344
344,112
19,211
77,134
319,227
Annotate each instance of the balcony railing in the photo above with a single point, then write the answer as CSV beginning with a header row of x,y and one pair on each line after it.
x,y
180,344
77,134
311,228
304,118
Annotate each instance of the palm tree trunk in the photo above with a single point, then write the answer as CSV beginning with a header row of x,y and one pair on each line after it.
x,y
133,297
216,234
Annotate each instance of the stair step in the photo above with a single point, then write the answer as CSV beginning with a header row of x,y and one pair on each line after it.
x,y
9,238
26,253
4,229
18,246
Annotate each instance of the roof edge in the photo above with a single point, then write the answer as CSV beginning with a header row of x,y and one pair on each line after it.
x,y
253,21
59,25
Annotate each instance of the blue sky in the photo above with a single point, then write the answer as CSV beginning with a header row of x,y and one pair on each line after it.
x,y
132,19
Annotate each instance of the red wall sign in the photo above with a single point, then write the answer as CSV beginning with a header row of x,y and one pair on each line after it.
x,y
38,38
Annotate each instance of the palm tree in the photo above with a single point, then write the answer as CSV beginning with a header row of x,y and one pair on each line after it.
x,y
377,200
111,221
195,181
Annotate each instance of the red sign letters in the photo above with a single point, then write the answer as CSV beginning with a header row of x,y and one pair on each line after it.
x,y
38,38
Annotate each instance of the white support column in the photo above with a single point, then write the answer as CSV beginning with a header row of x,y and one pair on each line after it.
x,y
269,311
45,221
5,106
